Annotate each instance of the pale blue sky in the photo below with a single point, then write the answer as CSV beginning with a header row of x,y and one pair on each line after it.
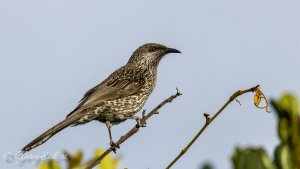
x,y
53,51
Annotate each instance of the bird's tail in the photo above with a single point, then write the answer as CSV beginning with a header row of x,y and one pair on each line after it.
x,y
49,133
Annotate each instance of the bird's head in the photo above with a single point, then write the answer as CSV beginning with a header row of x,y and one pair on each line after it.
x,y
149,55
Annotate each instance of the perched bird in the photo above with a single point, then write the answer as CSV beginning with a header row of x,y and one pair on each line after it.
x,y
119,97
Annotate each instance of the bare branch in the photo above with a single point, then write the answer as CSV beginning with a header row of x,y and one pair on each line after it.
x,y
134,130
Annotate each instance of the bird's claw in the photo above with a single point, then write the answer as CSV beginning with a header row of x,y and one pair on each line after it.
x,y
138,123
114,146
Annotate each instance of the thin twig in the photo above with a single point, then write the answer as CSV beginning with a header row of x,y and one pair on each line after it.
x,y
238,102
209,120
134,130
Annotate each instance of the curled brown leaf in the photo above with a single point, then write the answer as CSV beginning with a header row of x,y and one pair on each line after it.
x,y
259,95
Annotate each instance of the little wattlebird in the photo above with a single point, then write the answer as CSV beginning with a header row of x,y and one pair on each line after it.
x,y
119,97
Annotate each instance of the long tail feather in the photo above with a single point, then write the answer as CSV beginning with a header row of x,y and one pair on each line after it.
x,y
49,133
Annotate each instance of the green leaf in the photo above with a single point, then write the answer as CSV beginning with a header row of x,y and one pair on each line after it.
x,y
108,162
74,161
283,157
51,164
251,158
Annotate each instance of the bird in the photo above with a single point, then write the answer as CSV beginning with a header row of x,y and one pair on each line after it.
x,y
119,97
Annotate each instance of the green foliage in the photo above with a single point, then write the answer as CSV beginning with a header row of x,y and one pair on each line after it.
x,y
251,158
108,162
51,164
283,157
207,166
76,161
287,154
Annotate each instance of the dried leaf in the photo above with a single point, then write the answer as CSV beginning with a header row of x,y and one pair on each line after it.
x,y
259,95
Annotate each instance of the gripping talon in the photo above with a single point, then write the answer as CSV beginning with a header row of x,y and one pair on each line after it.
x,y
138,122
114,146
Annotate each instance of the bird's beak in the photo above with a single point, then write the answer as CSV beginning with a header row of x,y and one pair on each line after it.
x,y
172,50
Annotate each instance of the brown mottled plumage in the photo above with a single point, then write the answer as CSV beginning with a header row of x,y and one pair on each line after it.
x,y
118,97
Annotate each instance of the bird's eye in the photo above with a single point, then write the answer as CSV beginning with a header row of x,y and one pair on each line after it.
x,y
152,49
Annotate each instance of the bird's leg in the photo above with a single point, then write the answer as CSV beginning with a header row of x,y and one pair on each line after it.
x,y
111,142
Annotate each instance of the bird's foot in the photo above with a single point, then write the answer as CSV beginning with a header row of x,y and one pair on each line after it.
x,y
138,122
114,146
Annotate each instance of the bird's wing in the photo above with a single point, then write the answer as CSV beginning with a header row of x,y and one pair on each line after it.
x,y
123,82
